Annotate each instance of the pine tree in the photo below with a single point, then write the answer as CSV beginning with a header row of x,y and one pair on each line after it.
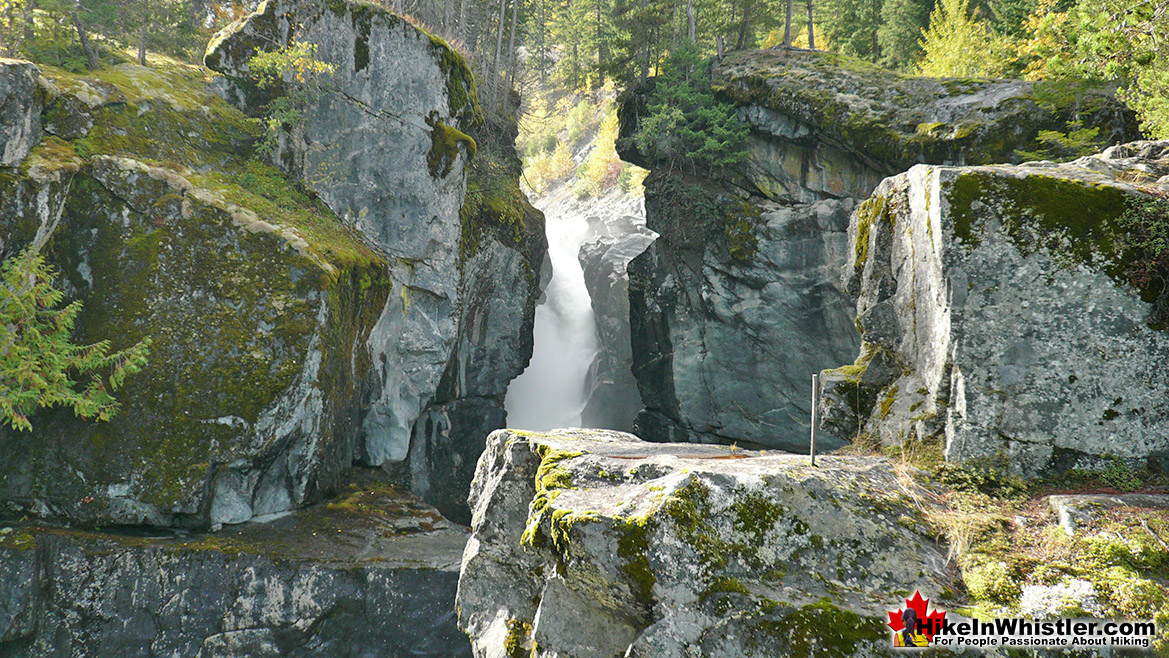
x,y
38,359
901,24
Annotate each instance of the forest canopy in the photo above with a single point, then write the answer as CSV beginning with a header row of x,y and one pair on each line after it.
x,y
582,44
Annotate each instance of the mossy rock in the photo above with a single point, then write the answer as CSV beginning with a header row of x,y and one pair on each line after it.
x,y
893,121
256,297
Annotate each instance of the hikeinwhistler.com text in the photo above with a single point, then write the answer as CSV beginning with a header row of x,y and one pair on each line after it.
x,y
1053,633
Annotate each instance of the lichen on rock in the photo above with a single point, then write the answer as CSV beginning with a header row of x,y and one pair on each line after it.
x,y
1003,302
656,548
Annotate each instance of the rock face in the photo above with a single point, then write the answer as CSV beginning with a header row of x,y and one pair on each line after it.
x,y
1006,308
738,303
386,147
731,310
373,574
611,397
21,102
502,250
594,543
298,327
259,310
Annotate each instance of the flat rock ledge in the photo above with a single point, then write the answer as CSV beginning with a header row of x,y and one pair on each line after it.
x,y
595,543
371,574
1076,510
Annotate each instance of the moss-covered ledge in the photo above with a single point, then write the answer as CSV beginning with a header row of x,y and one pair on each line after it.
x,y
256,296
896,121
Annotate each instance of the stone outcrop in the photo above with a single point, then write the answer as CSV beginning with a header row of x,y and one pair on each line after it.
x,y
21,103
502,251
371,312
259,309
1014,311
372,574
826,125
731,310
611,397
594,543
386,147
739,302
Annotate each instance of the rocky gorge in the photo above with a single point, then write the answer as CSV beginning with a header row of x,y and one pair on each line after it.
x,y
315,461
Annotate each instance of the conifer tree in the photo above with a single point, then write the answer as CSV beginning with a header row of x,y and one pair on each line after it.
x,y
40,366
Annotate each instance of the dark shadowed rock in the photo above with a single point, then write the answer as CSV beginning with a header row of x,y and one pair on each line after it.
x,y
372,574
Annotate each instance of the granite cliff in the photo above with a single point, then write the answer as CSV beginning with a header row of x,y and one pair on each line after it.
x,y
1012,310
739,301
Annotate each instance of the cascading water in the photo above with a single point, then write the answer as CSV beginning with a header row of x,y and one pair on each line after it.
x,y
551,392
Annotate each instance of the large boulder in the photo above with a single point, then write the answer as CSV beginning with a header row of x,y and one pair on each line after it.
x,y
1015,310
258,301
739,302
21,102
594,543
373,574
377,147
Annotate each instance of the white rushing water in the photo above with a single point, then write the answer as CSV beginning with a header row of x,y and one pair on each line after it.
x,y
551,392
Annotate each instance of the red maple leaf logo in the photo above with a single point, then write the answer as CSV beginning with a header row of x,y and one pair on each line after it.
x,y
931,622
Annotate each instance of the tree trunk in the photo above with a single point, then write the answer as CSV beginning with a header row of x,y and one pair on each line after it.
x,y
512,56
142,47
811,29
787,26
29,20
601,51
87,48
744,26
718,45
494,81
462,29
690,21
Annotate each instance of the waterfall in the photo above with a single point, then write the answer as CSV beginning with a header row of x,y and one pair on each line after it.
x,y
551,392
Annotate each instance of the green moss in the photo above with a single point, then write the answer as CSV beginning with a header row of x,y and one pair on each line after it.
x,y
890,397
875,209
856,371
741,228
19,539
517,639
820,630
1076,222
633,548
444,148
550,480
495,206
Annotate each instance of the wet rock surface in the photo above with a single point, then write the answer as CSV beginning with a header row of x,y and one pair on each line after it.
x,y
594,543
612,400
